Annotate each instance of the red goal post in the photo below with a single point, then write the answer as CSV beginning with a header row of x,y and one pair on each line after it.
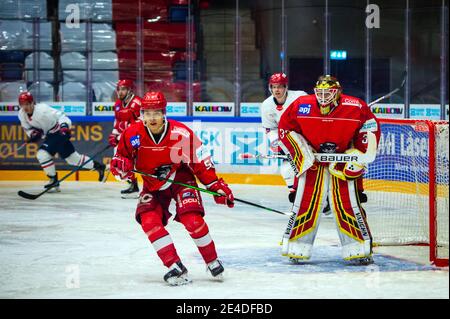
x,y
407,186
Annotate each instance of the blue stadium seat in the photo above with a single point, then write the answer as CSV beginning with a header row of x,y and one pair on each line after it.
x,y
11,71
12,56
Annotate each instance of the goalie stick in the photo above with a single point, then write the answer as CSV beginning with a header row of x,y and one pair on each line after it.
x,y
34,196
209,192
364,158
390,93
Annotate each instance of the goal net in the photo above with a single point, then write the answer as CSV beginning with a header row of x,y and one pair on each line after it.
x,y
407,186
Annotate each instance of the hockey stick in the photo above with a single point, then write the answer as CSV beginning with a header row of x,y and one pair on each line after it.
x,y
367,157
262,156
209,192
390,93
107,174
34,196
18,149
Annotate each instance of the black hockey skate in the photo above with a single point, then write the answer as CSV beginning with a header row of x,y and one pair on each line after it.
x,y
364,261
291,195
327,210
216,269
362,197
132,191
297,261
177,275
53,183
100,168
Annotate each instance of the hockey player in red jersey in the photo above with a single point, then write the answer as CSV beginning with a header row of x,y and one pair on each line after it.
x,y
328,122
169,149
126,113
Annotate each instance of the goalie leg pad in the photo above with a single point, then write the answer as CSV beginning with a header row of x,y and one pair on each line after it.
x,y
353,230
356,250
308,203
303,225
299,249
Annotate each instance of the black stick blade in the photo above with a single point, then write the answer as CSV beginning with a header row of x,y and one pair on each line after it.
x,y
27,195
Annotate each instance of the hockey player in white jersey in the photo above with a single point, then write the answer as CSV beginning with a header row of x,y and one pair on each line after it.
x,y
271,110
40,121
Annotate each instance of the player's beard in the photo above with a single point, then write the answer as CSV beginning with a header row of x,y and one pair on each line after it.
x,y
126,97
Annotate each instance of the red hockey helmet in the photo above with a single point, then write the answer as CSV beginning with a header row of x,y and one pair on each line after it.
x,y
278,78
25,97
126,83
154,101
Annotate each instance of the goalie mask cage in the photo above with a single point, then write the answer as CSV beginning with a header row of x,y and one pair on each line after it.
x,y
407,186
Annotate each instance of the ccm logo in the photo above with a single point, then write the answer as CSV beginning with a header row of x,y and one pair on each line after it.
x,y
338,158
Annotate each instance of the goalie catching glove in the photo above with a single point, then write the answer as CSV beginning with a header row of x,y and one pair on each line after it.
x,y
221,187
350,170
121,167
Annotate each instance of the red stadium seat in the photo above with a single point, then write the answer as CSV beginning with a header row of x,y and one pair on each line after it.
x,y
151,9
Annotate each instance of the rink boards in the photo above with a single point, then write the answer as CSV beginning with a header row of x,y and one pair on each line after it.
x,y
226,138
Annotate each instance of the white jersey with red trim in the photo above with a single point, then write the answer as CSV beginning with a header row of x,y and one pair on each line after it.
x,y
44,118
271,112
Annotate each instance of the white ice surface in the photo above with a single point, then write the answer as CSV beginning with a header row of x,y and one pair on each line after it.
x,y
85,243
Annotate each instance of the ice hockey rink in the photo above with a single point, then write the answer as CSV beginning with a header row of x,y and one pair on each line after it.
x,y
84,243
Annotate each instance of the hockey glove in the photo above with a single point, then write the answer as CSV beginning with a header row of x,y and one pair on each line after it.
x,y
350,170
220,187
121,167
35,136
64,130
113,139
163,172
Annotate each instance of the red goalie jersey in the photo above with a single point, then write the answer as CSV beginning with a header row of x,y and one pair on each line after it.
x,y
177,147
343,128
